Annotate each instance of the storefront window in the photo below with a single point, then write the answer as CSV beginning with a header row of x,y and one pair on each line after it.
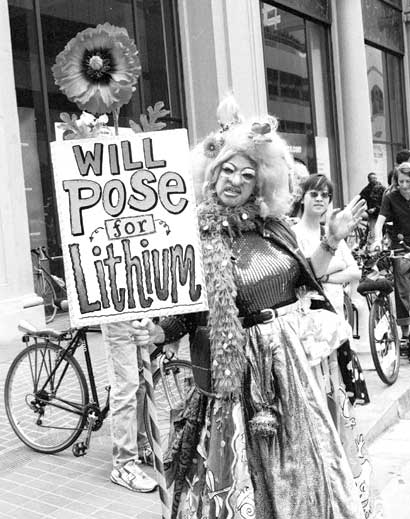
x,y
319,9
386,95
299,86
383,24
40,30
33,133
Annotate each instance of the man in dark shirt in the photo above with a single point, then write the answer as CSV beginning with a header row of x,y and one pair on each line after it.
x,y
396,209
373,194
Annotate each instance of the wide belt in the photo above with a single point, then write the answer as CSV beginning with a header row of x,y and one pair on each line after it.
x,y
268,314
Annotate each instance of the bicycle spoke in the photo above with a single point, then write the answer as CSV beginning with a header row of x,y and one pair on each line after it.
x,y
46,415
383,340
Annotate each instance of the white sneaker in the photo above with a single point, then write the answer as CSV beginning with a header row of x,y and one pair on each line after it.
x,y
132,477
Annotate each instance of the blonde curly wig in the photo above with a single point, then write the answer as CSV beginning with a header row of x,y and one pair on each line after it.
x,y
256,139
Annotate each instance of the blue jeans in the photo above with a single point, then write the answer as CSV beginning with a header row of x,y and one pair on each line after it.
x,y
127,392
401,270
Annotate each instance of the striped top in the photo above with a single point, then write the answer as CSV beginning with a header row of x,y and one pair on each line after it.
x,y
265,276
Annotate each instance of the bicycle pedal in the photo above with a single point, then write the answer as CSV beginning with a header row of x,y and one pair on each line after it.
x,y
79,449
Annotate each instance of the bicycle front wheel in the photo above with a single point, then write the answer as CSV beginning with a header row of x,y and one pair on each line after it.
x,y
171,389
384,340
45,403
44,289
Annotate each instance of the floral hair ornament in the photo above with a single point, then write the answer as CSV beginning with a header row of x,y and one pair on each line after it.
x,y
262,132
98,69
228,113
213,144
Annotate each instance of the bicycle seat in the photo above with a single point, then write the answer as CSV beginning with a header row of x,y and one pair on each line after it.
x,y
375,285
29,329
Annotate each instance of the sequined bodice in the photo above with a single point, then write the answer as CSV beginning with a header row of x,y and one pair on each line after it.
x,y
265,275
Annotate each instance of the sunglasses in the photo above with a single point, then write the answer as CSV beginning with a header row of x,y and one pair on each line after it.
x,y
314,194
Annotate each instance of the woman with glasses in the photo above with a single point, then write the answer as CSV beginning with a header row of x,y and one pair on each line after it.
x,y
312,208
315,198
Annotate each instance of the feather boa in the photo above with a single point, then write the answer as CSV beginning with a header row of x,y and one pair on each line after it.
x,y
218,225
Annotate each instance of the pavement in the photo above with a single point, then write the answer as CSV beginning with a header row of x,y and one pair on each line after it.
x,y
35,485
387,403
60,486
390,457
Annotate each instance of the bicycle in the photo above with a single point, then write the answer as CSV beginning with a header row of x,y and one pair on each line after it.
x,y
61,402
377,288
45,283
358,237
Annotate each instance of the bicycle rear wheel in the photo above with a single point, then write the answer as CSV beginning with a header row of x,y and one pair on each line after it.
x,y
45,408
170,393
384,340
44,289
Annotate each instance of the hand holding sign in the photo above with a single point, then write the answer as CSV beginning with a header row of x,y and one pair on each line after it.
x,y
147,332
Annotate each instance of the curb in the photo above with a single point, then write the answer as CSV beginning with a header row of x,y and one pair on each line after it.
x,y
394,412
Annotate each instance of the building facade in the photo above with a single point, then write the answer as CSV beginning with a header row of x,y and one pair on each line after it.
x,y
334,72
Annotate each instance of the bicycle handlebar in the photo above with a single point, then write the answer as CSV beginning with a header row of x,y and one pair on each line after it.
x,y
42,253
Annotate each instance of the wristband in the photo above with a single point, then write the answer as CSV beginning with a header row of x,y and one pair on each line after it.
x,y
324,243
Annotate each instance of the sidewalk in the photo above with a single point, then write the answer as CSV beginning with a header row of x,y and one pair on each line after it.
x,y
387,403
60,486
39,486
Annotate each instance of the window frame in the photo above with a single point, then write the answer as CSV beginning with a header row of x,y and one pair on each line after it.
x,y
170,18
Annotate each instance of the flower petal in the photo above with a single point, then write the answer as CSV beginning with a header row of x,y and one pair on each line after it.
x,y
99,94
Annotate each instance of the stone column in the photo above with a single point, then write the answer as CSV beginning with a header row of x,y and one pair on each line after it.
x,y
16,278
222,52
355,117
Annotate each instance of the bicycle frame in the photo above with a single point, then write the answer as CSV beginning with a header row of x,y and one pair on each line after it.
x,y
38,268
79,338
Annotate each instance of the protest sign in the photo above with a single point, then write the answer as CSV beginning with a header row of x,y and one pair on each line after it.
x,y
128,227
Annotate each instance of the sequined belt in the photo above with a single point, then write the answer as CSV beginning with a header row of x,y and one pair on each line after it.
x,y
268,314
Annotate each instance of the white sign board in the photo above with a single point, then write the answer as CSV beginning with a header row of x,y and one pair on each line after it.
x,y
128,227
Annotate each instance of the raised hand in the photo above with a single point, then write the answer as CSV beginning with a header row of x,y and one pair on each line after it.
x,y
146,332
343,222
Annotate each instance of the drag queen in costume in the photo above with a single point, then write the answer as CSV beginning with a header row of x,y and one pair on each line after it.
x,y
256,439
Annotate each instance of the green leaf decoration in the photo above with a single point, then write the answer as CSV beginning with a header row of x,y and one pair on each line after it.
x,y
136,128
77,128
150,123
65,117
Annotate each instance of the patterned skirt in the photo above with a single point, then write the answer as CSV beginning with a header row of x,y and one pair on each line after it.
x,y
287,449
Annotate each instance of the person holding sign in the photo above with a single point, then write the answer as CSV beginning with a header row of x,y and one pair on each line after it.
x,y
256,438
130,445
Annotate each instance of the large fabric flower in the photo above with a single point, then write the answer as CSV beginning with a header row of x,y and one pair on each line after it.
x,y
98,69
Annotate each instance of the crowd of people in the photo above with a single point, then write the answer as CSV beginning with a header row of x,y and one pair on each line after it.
x,y
388,219
270,430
